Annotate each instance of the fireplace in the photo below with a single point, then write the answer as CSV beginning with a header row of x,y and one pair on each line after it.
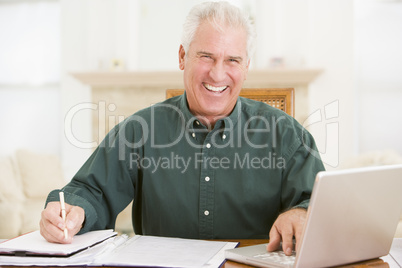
x,y
120,94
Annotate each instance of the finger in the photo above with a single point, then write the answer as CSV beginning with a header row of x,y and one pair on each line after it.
x,y
274,239
298,225
74,220
298,236
51,233
287,241
52,214
51,224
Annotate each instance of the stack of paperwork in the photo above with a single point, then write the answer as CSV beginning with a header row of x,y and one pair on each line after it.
x,y
105,248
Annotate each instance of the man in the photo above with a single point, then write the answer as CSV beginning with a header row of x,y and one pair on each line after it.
x,y
206,164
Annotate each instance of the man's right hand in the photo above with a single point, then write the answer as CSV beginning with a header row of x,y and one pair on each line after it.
x,y
52,224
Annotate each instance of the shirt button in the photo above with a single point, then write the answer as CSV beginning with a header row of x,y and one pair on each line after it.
x,y
207,178
223,136
208,145
206,212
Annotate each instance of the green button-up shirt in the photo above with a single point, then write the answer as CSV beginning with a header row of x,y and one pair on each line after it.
x,y
231,181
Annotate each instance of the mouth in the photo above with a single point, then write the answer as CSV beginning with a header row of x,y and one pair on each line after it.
x,y
215,89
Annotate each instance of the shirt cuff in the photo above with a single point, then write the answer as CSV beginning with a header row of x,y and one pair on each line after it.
x,y
304,204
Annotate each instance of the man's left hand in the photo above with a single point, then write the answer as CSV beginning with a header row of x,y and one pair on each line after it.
x,y
288,225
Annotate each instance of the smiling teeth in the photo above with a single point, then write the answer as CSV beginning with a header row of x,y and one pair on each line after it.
x,y
215,89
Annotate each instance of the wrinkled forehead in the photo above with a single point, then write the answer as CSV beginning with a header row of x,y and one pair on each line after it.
x,y
215,39
223,25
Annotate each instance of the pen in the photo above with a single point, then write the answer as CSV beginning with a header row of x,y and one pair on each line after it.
x,y
63,213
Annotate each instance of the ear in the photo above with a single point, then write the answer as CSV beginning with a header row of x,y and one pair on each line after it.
x,y
182,55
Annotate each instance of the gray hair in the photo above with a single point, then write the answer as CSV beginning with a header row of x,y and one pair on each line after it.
x,y
217,13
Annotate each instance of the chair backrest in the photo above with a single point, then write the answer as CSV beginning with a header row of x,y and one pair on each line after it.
x,y
281,98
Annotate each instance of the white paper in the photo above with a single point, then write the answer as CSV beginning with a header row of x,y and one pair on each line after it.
x,y
219,258
34,243
394,258
396,251
166,252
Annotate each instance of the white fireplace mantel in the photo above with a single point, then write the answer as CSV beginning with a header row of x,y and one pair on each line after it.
x,y
132,91
174,79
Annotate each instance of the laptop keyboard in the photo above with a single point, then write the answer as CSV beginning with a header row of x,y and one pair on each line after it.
x,y
278,257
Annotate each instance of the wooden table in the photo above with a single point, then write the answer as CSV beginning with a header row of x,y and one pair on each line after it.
x,y
377,263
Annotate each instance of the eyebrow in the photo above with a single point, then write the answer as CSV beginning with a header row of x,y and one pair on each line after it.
x,y
204,53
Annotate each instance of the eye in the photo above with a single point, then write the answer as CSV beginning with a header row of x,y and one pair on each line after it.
x,y
206,58
234,60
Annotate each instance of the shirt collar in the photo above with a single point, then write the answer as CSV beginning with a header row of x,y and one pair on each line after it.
x,y
227,122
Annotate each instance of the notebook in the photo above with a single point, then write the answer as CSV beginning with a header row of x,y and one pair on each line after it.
x,y
353,215
33,244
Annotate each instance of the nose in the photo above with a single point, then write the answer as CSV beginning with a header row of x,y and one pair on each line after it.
x,y
217,71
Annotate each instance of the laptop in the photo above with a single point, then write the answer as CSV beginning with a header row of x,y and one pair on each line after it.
x,y
352,217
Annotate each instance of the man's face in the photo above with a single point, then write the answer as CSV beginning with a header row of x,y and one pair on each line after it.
x,y
215,68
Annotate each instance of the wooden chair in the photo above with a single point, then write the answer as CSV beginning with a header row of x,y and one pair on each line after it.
x,y
281,98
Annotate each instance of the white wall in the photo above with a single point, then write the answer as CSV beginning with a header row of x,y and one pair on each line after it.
x,y
144,35
282,28
29,119
357,44
159,34
379,79
29,77
331,39
316,34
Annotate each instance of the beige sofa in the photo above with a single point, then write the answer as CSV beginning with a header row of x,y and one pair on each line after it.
x,y
26,178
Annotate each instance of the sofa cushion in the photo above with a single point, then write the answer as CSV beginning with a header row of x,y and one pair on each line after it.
x,y
10,219
40,173
11,188
31,214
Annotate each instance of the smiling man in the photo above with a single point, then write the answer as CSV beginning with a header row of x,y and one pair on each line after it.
x,y
208,164
215,68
